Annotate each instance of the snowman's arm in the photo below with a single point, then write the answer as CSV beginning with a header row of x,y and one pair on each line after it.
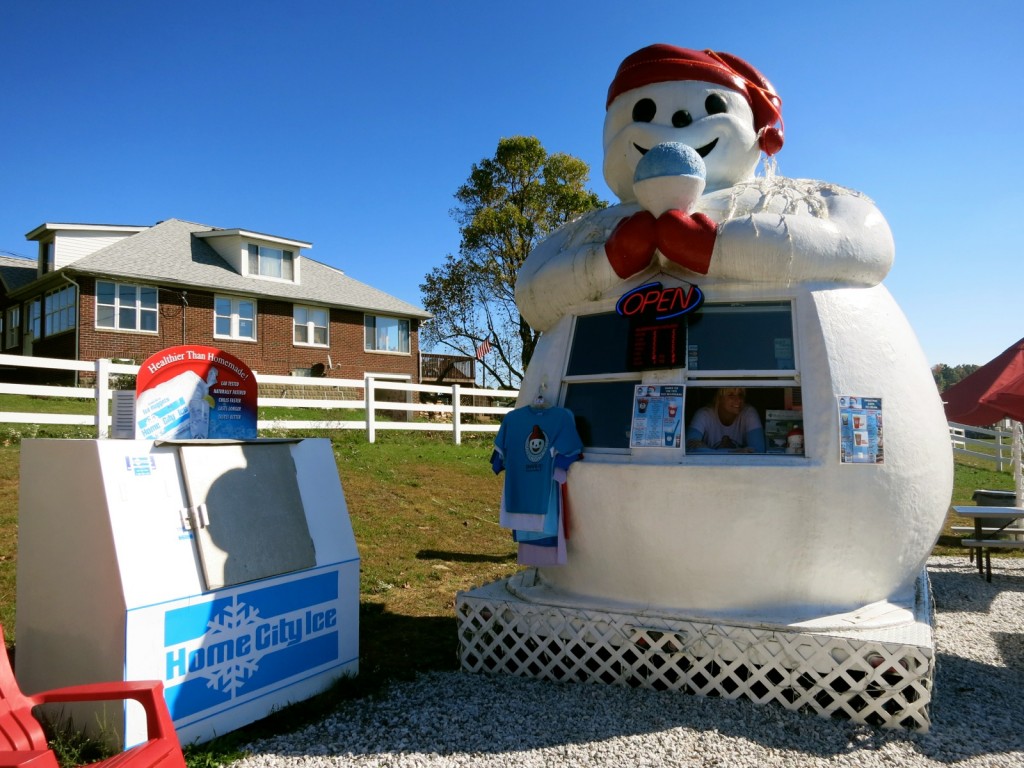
x,y
849,242
567,268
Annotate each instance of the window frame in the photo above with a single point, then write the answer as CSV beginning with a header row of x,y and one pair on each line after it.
x,y
34,317
689,379
400,323
12,327
310,326
63,316
48,256
118,308
787,374
234,317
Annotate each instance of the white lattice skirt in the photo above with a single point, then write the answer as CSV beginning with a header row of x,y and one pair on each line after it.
x,y
880,674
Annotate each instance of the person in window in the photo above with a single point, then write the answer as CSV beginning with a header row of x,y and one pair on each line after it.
x,y
728,424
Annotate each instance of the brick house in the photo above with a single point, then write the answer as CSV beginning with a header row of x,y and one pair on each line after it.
x,y
126,292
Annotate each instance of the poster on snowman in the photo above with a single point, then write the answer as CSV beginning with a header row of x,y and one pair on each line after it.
x,y
194,392
860,430
657,417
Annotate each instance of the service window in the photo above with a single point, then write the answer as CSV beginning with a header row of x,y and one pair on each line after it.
x,y
748,346
779,417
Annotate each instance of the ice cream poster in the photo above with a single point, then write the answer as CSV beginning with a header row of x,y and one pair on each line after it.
x,y
195,392
657,417
860,430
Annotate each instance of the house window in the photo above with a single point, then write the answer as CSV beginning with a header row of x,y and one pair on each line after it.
x,y
310,325
49,252
34,314
386,334
126,307
738,345
234,318
271,262
59,310
12,327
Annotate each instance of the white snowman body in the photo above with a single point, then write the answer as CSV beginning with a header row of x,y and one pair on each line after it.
x,y
770,537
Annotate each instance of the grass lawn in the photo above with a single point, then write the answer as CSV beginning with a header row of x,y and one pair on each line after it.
x,y
425,513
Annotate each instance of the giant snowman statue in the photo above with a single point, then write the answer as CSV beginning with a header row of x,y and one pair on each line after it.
x,y
793,314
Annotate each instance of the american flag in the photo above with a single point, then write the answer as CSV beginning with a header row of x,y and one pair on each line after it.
x,y
483,349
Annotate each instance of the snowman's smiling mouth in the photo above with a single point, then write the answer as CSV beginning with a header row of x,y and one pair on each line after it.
x,y
702,151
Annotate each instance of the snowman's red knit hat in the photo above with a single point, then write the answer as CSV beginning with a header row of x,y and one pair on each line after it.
x,y
662,63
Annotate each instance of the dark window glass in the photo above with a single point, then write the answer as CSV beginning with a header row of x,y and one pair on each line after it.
x,y
599,345
603,411
369,331
754,337
127,295
105,293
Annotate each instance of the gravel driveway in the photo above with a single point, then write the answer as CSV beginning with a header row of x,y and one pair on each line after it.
x,y
461,719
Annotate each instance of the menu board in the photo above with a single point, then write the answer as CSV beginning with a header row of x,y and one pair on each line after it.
x,y
860,430
657,417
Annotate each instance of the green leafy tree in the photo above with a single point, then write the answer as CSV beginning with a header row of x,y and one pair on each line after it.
x,y
509,203
946,376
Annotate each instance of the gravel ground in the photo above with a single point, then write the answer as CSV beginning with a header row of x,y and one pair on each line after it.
x,y
462,719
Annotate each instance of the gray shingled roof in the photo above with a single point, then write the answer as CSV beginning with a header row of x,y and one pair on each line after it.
x,y
168,254
15,272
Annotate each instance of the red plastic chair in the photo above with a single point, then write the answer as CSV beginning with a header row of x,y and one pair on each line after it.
x,y
23,743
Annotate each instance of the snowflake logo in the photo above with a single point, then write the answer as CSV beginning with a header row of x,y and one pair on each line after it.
x,y
231,674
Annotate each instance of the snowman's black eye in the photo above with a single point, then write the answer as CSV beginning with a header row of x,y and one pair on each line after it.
x,y
643,111
681,119
715,104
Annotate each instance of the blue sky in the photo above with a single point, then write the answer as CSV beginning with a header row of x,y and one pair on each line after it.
x,y
351,125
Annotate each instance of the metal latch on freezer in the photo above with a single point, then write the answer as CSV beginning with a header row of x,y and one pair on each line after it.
x,y
194,518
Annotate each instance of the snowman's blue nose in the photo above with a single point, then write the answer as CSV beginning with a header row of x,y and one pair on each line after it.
x,y
671,158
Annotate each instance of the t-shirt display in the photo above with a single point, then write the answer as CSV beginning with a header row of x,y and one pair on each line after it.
x,y
535,446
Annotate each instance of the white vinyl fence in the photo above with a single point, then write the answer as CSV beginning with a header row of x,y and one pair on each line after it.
x,y
382,403
995,445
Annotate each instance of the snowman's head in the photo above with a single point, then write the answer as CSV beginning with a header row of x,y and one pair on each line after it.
x,y
714,102
536,443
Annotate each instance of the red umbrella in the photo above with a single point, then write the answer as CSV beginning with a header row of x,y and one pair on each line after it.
x,y
993,392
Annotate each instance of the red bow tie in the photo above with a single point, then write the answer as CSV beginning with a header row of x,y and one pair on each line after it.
x,y
686,239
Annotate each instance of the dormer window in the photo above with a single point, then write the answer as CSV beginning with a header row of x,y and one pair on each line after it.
x,y
271,262
49,256
258,255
